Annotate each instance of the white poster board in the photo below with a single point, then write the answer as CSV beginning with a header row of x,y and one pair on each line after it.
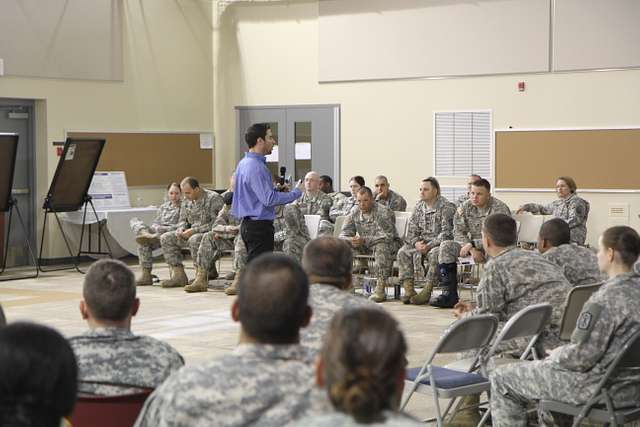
x,y
109,190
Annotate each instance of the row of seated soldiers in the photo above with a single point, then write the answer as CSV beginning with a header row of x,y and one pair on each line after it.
x,y
293,315
438,233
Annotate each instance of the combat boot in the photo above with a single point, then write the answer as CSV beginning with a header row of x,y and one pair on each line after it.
x,y
424,295
200,283
178,278
380,293
230,275
409,291
449,278
233,287
144,237
145,279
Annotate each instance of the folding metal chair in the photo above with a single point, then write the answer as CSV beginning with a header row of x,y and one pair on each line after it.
x,y
576,299
466,334
600,407
337,229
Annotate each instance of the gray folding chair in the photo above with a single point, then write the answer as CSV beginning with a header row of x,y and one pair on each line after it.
x,y
466,334
600,407
337,229
576,299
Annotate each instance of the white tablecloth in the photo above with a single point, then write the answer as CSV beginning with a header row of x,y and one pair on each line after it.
x,y
117,229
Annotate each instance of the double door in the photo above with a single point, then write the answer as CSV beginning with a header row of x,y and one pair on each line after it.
x,y
308,138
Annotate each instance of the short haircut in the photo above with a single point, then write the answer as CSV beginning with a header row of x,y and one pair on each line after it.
x,y
193,183
502,229
434,183
328,257
255,132
482,183
3,320
570,182
327,179
476,176
228,198
38,376
365,190
358,179
625,241
109,290
272,299
382,177
555,231
363,354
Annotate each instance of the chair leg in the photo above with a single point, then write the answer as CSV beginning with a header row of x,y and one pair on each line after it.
x,y
435,400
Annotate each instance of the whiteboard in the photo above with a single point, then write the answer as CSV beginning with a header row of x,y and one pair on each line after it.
x,y
596,34
383,39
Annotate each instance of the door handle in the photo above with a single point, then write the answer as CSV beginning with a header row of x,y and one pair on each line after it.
x,y
19,191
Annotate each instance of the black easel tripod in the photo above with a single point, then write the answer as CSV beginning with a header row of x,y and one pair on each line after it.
x,y
13,204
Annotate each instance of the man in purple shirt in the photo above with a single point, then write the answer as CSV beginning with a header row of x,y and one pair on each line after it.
x,y
254,198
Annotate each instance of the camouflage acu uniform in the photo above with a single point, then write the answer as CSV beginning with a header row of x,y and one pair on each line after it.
x,y
296,232
571,373
326,225
467,227
336,418
574,210
280,233
342,207
462,199
432,225
580,264
515,279
228,228
118,356
256,384
395,202
325,301
166,220
317,204
197,215
378,229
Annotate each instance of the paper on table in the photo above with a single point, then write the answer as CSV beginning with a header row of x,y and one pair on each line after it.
x,y
206,141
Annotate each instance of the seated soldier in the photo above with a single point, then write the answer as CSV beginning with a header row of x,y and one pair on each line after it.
x,y
370,229
430,224
580,264
467,238
362,368
342,206
327,262
224,236
572,372
296,232
268,378
313,201
385,196
515,278
326,227
196,218
38,376
466,196
148,236
109,352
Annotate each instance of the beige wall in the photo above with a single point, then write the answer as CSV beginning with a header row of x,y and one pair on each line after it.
x,y
168,85
267,54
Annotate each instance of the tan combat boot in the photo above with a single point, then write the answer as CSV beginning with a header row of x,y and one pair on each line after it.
x,y
213,272
409,292
200,283
233,287
424,296
144,237
145,279
178,278
379,294
230,275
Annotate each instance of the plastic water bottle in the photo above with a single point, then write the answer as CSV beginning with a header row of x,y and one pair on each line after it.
x,y
366,284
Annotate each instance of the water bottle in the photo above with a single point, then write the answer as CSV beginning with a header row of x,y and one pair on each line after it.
x,y
366,284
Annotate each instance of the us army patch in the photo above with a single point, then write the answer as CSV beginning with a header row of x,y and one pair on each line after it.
x,y
585,323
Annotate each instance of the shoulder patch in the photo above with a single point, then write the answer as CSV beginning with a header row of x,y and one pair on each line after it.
x,y
586,322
